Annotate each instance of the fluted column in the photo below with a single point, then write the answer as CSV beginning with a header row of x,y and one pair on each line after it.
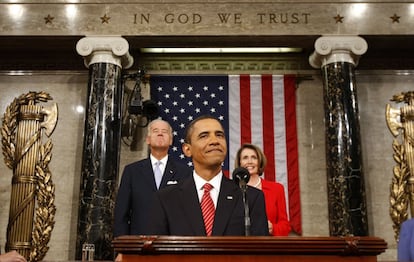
x,y
337,56
105,56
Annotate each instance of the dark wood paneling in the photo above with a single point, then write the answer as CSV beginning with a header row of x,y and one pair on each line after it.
x,y
177,248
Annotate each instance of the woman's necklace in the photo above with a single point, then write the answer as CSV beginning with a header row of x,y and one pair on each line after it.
x,y
258,183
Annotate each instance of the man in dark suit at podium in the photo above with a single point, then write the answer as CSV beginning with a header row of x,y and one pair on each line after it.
x,y
140,180
179,209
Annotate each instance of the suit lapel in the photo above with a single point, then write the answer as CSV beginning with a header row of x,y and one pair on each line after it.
x,y
148,173
227,200
168,174
191,206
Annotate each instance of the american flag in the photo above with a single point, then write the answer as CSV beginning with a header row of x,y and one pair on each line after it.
x,y
257,109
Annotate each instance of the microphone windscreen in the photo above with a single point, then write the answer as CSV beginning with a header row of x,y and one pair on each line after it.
x,y
241,174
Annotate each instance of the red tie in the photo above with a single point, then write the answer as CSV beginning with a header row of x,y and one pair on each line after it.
x,y
207,207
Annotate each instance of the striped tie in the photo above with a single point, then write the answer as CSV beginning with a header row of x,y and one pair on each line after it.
x,y
207,207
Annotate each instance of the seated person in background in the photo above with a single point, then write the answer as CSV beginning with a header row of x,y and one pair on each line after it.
x,y
252,158
12,256
139,181
178,210
406,241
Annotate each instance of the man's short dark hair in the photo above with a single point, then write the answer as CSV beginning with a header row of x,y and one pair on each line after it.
x,y
189,129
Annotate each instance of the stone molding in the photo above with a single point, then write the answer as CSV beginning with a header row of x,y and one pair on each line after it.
x,y
220,64
105,49
206,18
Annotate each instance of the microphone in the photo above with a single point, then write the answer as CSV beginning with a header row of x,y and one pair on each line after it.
x,y
241,176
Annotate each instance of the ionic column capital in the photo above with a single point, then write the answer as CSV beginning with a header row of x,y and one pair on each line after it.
x,y
337,48
105,49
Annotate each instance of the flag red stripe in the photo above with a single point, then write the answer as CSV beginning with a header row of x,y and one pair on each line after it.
x,y
292,153
245,113
268,127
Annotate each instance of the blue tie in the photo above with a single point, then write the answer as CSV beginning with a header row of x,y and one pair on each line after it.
x,y
158,173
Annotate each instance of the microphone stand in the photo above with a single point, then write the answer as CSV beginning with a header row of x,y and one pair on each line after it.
x,y
241,176
243,187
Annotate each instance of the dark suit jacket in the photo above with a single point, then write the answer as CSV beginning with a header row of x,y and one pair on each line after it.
x,y
176,211
406,242
136,191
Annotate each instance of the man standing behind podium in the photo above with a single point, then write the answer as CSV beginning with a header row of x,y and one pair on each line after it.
x,y
140,181
180,209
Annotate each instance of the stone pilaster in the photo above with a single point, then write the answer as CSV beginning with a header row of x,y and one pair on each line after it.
x,y
105,56
337,56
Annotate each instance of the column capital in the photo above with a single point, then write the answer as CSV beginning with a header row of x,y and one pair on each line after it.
x,y
337,48
105,49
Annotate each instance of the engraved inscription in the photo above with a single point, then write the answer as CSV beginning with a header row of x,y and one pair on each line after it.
x,y
182,18
157,17
230,18
226,18
283,18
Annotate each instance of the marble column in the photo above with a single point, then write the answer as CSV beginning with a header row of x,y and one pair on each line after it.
x,y
105,56
337,57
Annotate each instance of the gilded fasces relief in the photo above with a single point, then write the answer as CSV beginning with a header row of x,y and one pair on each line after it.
x,y
32,208
400,121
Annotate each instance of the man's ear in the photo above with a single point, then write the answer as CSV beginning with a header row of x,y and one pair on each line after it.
x,y
186,149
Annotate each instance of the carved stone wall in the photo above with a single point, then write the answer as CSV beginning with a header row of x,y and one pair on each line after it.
x,y
212,17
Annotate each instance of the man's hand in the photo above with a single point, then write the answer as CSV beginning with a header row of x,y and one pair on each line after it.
x,y
117,259
12,256
270,226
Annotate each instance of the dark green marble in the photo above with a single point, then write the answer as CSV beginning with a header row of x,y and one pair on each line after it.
x,y
100,160
346,189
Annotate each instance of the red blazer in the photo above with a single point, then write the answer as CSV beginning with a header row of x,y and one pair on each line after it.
x,y
274,194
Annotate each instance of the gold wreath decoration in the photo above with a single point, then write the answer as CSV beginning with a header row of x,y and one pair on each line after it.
x,y
399,194
45,190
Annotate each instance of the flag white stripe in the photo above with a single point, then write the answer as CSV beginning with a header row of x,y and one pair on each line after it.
x,y
256,110
280,132
234,118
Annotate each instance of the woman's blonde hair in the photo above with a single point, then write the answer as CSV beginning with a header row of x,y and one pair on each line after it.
x,y
260,156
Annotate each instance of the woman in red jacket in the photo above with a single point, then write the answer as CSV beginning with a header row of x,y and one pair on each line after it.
x,y
252,158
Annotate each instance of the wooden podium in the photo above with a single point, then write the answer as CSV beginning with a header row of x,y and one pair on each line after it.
x,y
248,249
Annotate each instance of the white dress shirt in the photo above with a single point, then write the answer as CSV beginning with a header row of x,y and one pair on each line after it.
x,y
215,182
